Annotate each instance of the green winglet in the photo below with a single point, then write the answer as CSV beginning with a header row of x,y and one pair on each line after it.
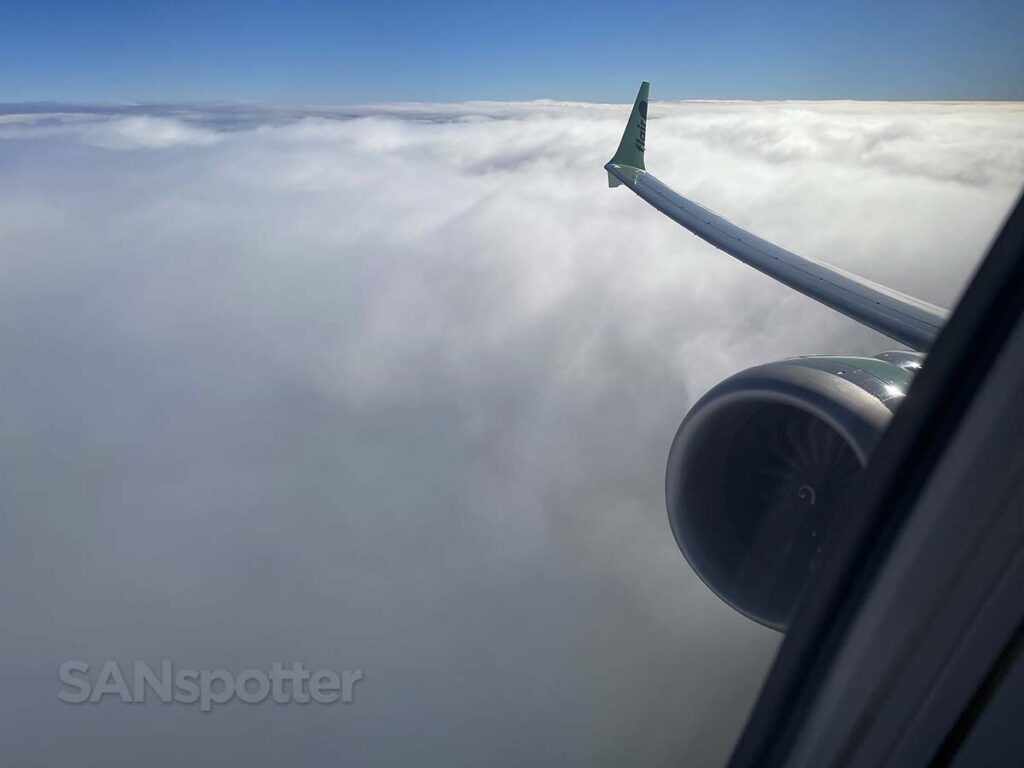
x,y
631,148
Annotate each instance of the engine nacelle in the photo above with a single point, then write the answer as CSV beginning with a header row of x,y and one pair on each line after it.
x,y
763,463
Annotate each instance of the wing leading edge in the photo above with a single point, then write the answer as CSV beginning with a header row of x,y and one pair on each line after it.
x,y
901,317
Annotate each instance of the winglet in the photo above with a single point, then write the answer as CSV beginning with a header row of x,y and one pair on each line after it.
x,y
631,148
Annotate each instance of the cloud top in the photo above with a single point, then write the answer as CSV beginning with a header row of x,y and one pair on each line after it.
x,y
391,388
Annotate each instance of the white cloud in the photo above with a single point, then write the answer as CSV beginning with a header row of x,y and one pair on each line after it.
x,y
396,391
145,132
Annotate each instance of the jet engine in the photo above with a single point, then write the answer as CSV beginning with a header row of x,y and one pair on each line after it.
x,y
763,464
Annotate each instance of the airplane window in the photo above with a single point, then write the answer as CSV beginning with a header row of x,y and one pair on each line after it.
x,y
389,383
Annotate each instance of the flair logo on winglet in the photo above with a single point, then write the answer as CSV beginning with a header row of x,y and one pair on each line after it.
x,y
642,126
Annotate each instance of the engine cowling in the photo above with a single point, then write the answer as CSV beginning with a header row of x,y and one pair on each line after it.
x,y
762,465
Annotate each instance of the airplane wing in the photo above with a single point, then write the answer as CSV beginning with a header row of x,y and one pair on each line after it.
x,y
903,318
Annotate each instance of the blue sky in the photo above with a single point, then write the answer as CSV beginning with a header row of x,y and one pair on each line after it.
x,y
334,52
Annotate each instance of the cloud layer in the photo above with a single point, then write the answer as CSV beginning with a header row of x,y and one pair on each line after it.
x,y
392,388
